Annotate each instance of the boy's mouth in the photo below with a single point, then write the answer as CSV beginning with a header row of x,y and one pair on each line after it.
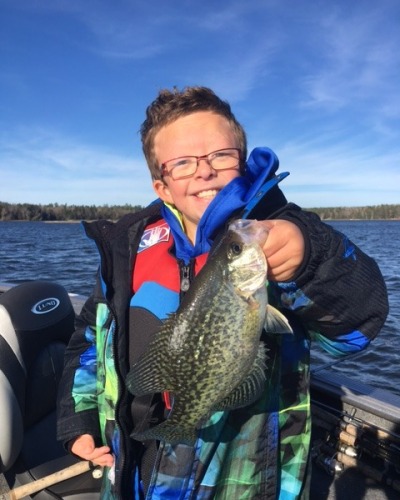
x,y
209,193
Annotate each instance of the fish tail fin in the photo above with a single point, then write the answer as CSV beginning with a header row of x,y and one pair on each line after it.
x,y
168,432
276,322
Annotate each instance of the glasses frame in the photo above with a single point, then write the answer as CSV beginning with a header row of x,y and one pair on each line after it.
x,y
165,172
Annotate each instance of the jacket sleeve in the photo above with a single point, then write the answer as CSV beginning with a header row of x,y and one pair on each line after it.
x,y
338,293
77,411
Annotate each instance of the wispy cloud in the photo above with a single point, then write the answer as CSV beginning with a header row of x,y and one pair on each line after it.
x,y
340,174
353,61
40,166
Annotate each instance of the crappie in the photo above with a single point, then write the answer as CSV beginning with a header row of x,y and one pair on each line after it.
x,y
208,354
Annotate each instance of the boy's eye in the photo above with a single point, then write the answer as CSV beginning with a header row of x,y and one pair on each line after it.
x,y
182,162
219,155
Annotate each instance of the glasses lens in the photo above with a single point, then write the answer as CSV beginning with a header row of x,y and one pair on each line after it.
x,y
186,166
181,167
224,159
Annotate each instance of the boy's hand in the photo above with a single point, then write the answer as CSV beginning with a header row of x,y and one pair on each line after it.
x,y
84,447
284,249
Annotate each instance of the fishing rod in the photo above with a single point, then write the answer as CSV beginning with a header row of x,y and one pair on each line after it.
x,y
336,361
350,442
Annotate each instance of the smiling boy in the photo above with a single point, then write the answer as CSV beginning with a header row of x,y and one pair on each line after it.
x,y
329,290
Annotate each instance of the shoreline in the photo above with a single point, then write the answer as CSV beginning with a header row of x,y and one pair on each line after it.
x,y
78,221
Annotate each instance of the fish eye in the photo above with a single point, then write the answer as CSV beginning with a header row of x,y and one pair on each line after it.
x,y
235,248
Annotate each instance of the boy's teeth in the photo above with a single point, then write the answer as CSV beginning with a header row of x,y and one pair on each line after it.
x,y
207,194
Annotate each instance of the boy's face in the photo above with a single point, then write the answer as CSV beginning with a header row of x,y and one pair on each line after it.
x,y
196,134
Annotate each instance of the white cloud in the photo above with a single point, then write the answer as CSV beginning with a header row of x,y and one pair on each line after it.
x,y
43,167
340,174
353,63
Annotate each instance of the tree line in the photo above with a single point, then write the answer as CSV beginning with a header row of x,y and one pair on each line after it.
x,y
374,212
59,212
64,212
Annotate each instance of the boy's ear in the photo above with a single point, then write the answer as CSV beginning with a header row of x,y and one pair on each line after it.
x,y
162,191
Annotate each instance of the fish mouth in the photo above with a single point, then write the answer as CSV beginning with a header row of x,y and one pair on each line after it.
x,y
253,277
250,230
249,270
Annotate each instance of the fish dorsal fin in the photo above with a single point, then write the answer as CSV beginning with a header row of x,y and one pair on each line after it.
x,y
276,322
250,389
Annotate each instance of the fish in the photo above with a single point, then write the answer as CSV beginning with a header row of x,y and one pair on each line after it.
x,y
208,354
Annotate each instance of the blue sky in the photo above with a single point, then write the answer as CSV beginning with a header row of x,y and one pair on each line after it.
x,y
316,81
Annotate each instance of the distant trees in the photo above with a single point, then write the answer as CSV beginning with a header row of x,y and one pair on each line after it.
x,y
374,212
56,212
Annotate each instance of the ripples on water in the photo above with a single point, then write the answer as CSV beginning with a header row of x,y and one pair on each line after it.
x,y
61,252
48,251
378,365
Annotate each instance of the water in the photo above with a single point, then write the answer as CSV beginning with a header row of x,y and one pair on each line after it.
x,y
58,252
378,365
61,252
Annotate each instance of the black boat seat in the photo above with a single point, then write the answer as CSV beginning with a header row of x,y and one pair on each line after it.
x,y
36,322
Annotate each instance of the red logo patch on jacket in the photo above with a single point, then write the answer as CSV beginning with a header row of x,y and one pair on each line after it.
x,y
154,262
154,234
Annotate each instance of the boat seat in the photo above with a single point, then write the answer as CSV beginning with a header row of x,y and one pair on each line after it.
x,y
36,323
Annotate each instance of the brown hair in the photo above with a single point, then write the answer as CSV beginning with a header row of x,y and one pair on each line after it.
x,y
170,105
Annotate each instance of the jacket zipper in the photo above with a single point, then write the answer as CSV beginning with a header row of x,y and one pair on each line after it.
x,y
122,452
186,276
120,473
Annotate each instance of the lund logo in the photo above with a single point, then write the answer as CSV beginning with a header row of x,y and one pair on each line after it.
x,y
45,306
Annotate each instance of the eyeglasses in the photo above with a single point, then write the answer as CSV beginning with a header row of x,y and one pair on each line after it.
x,y
186,166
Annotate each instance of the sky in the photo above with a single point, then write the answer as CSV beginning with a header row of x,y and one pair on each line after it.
x,y
316,81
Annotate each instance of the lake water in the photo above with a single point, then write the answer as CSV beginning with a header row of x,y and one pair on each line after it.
x,y
61,252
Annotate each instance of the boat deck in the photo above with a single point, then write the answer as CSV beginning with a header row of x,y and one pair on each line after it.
x,y
373,416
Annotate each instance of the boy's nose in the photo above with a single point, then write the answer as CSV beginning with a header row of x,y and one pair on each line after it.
x,y
204,168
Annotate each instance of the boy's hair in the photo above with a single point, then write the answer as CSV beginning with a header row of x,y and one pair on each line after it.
x,y
170,105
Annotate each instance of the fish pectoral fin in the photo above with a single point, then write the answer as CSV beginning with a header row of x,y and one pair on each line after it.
x,y
143,380
150,373
250,389
147,375
276,322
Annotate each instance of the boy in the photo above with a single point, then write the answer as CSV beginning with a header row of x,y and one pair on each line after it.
x,y
328,289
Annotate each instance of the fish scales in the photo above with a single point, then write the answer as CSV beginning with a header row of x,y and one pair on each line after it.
x,y
208,354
